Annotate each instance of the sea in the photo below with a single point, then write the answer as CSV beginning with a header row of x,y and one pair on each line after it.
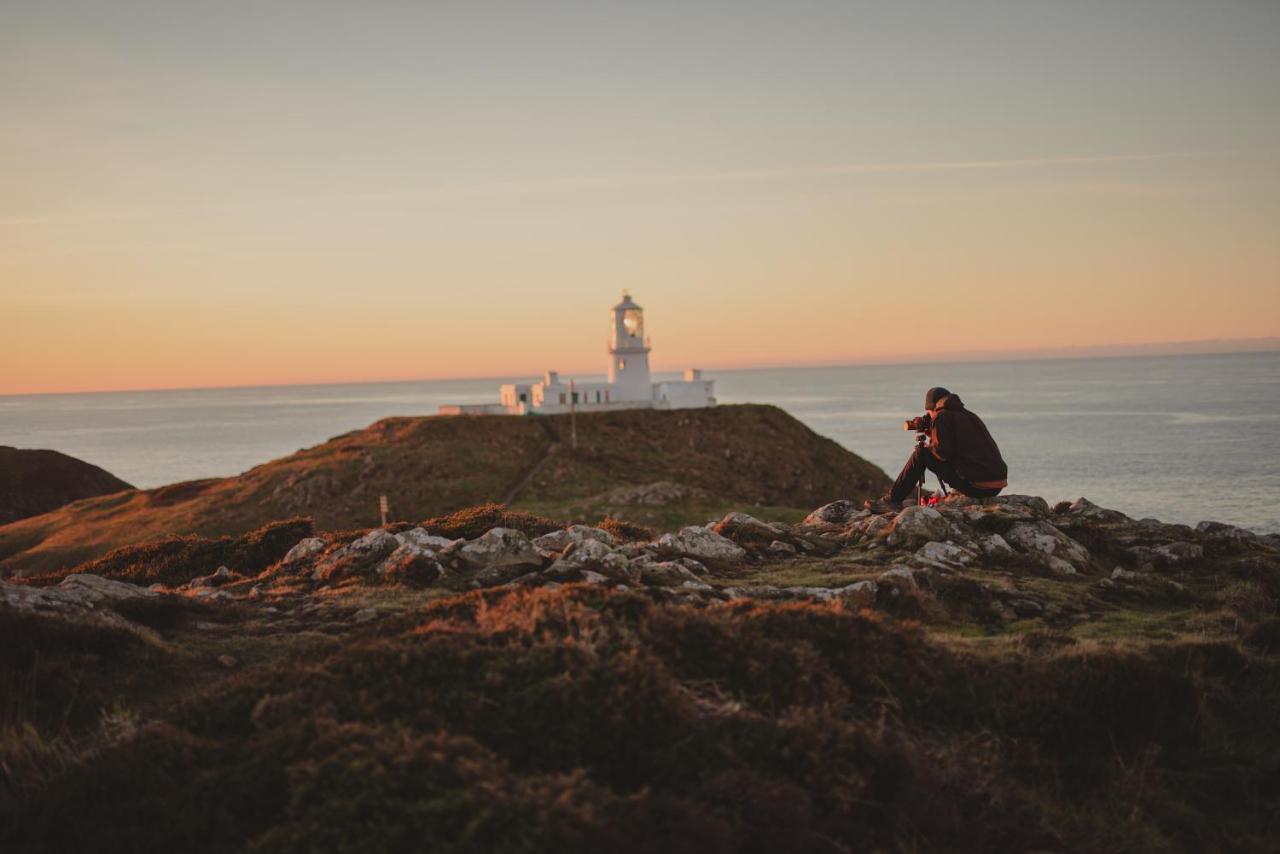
x,y
1177,438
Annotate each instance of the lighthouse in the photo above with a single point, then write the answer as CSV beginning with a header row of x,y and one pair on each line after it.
x,y
629,353
629,385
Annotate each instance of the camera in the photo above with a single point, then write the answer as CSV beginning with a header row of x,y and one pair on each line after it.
x,y
921,423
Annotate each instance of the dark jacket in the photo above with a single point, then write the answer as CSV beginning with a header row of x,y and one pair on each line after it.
x,y
959,437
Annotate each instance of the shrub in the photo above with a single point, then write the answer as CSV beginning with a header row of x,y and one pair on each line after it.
x,y
471,522
178,559
625,532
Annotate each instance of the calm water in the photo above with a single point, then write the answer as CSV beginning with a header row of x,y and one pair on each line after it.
x,y
1181,438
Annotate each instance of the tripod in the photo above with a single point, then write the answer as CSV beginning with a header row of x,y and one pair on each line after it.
x,y
922,447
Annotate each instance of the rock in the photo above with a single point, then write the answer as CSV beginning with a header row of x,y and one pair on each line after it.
x,y
875,525
1168,554
411,564
834,515
358,557
945,556
903,574
493,576
1086,509
498,548
742,527
667,573
917,524
781,549
994,545
220,576
1178,552
702,544
1040,539
558,541
94,589
305,549
1033,504
428,542
1122,574
364,615
1224,530
861,594
227,661
594,556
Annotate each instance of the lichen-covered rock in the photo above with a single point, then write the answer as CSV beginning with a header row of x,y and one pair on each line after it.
x,y
358,557
1055,549
93,589
945,556
220,576
1086,509
667,573
304,550
498,548
421,538
702,544
1166,554
994,545
861,594
744,528
411,564
833,515
80,598
917,525
558,541
781,549
591,555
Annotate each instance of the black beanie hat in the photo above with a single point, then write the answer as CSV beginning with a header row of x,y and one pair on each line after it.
x,y
933,395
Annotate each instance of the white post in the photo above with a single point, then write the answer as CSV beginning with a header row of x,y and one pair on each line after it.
x,y
382,505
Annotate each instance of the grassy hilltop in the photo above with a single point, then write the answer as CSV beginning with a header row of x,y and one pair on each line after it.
x,y
703,461
35,481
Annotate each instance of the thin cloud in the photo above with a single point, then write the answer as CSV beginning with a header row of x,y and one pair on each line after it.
x,y
605,182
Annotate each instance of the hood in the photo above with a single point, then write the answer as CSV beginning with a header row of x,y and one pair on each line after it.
x,y
952,401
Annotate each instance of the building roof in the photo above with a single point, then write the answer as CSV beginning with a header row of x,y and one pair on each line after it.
x,y
626,302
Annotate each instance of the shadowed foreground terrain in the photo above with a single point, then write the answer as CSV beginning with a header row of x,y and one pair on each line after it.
x,y
34,482
655,467
982,676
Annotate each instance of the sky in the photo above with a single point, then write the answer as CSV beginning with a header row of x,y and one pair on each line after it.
x,y
242,193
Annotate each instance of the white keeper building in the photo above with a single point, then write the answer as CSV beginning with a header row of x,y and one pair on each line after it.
x,y
629,385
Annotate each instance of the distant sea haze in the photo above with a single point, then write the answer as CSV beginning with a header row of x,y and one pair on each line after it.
x,y
1179,438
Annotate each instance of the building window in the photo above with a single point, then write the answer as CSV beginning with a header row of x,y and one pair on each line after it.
x,y
597,397
524,398
575,397
606,395
562,399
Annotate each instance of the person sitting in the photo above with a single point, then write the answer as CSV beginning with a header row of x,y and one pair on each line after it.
x,y
960,452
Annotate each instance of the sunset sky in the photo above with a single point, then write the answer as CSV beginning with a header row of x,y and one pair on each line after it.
x,y
236,193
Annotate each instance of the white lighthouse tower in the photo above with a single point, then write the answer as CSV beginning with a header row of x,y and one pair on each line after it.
x,y
629,353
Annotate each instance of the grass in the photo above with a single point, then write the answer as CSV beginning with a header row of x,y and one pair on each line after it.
x,y
583,720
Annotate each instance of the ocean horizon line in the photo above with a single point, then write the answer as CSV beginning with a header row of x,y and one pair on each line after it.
x,y
1159,349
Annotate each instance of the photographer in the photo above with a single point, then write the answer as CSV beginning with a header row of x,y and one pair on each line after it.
x,y
960,451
